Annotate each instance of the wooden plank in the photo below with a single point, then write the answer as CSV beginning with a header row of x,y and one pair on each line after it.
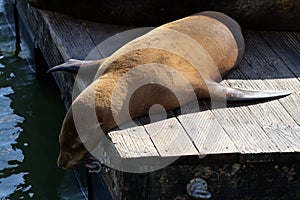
x,y
37,25
133,142
99,32
170,138
287,47
271,115
273,119
128,148
205,131
73,41
70,36
244,131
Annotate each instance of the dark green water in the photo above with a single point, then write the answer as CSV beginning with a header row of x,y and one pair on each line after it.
x,y
31,114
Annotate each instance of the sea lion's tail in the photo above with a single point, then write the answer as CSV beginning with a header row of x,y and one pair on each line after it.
x,y
218,90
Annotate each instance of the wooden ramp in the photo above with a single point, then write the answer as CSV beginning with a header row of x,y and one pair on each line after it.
x,y
248,137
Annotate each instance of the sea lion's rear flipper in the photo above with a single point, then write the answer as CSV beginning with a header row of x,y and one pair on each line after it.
x,y
73,66
218,90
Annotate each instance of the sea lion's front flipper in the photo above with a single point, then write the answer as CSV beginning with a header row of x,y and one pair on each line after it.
x,y
73,66
218,90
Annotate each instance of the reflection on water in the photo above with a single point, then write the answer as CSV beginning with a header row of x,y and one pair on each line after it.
x,y
9,133
30,118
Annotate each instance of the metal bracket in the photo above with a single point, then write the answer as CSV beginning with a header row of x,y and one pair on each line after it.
x,y
93,165
197,188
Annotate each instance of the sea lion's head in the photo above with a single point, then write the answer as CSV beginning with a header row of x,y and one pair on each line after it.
x,y
83,127
72,149
79,134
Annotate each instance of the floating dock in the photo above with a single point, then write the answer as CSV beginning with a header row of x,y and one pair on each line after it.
x,y
252,150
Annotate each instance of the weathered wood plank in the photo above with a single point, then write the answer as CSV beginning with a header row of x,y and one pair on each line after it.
x,y
133,142
273,119
205,131
271,115
170,138
72,40
244,131
287,47
69,35
99,32
37,25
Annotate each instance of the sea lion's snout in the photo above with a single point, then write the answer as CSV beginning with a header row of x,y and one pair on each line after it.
x,y
63,160
60,165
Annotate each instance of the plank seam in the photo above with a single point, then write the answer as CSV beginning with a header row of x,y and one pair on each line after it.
x,y
186,132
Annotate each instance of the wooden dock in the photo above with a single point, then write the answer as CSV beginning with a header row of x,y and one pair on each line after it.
x,y
243,150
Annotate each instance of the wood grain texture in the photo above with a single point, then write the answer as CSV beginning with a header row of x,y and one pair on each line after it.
x,y
286,46
170,138
273,116
133,143
69,35
206,133
245,132
99,32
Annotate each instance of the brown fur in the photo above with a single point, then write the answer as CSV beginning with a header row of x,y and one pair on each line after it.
x,y
220,47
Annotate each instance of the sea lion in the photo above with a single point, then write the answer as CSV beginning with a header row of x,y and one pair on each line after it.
x,y
257,14
190,53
